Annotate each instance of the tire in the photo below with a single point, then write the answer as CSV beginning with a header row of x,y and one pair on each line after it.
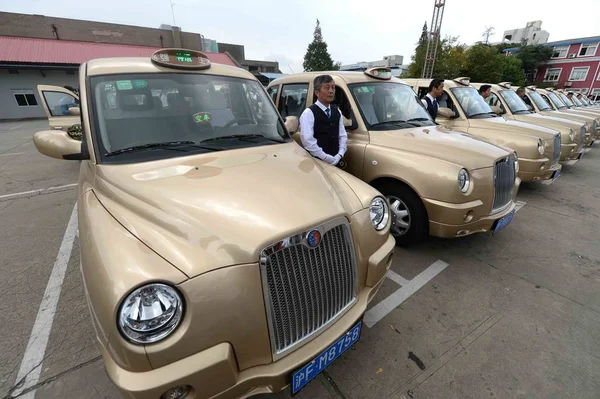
x,y
408,207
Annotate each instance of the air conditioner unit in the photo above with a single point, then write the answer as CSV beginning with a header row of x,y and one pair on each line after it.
x,y
568,84
572,55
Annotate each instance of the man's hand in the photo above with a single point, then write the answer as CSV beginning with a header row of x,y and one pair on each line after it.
x,y
336,159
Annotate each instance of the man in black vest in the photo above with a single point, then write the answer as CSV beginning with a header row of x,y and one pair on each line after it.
x,y
321,125
436,88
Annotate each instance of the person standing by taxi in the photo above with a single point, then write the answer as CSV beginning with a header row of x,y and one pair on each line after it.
x,y
521,93
322,128
430,101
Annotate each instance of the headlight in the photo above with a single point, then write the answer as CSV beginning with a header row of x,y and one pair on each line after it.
x,y
540,147
516,162
463,180
150,313
379,213
572,134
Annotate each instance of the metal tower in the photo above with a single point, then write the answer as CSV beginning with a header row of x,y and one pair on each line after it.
x,y
434,38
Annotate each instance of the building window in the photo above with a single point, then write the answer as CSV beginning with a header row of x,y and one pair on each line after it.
x,y
270,69
253,68
560,51
588,49
25,99
579,74
13,71
70,72
552,75
596,94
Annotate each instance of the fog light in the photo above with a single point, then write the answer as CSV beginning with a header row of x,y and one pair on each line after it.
x,y
178,392
468,216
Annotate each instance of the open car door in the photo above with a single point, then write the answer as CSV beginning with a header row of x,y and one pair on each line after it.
x,y
61,106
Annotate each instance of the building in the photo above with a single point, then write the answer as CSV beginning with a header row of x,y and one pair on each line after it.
x,y
531,34
394,62
574,66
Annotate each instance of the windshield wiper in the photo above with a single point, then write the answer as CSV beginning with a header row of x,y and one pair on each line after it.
x,y
482,113
171,145
243,137
521,111
394,123
419,120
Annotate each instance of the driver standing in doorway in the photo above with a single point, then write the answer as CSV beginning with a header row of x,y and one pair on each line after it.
x,y
322,128
430,102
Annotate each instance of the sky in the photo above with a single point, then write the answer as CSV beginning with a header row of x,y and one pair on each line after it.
x,y
355,30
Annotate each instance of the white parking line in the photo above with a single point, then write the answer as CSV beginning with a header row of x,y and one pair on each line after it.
x,y
15,127
12,153
31,193
519,205
31,365
397,278
379,311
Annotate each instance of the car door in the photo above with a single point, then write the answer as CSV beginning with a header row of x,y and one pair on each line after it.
x,y
57,101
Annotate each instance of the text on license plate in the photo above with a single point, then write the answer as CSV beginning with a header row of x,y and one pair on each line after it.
x,y
502,223
303,376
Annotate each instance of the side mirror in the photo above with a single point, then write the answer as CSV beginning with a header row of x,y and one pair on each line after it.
x,y
292,124
57,144
352,123
74,111
446,113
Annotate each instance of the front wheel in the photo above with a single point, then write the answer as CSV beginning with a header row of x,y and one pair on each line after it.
x,y
410,223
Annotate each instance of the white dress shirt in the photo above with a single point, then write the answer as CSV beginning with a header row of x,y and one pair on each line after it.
x,y
433,100
307,134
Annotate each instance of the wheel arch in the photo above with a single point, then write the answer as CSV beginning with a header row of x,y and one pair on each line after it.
x,y
384,180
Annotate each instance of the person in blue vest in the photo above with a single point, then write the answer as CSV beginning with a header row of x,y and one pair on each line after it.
x,y
430,102
322,128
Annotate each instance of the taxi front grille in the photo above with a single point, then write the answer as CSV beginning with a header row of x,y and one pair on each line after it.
x,y
306,288
556,153
504,180
582,138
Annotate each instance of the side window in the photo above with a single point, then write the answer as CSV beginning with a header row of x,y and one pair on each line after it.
x,y
293,99
341,100
547,100
273,90
494,101
445,101
59,103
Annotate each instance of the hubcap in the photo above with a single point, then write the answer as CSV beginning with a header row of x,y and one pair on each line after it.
x,y
400,216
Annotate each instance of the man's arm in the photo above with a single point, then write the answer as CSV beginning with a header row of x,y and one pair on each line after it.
x,y
307,135
343,136
424,102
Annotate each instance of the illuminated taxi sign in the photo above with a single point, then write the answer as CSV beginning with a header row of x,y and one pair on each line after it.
x,y
465,81
532,87
506,85
180,58
379,73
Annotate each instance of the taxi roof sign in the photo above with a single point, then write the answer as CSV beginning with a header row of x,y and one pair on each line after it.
x,y
382,73
463,80
180,58
532,87
506,85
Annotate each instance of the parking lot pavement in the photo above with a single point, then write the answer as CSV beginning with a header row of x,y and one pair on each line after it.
x,y
512,315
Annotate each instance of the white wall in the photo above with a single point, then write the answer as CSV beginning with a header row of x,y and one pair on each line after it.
x,y
27,81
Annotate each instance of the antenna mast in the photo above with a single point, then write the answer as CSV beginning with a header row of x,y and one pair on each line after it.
x,y
434,38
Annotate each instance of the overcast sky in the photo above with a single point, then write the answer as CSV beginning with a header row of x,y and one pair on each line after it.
x,y
282,30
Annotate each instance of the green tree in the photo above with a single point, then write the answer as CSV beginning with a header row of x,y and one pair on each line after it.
x,y
317,58
512,71
451,60
415,69
484,64
533,57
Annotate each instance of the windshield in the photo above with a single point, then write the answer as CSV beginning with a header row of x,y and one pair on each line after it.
x,y
515,103
472,103
577,101
557,101
539,101
390,105
566,100
139,111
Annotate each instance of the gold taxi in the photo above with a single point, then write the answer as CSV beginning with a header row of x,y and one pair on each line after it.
x,y
218,258
438,181
549,101
576,105
511,106
462,108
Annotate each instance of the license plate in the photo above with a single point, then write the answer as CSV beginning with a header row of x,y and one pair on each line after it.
x,y
505,221
581,155
555,175
303,376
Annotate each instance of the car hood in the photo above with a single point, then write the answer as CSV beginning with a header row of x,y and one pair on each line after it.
x,y
441,143
207,211
513,127
552,122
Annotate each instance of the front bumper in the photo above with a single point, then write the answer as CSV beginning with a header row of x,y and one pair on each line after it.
x,y
482,225
537,170
569,153
214,372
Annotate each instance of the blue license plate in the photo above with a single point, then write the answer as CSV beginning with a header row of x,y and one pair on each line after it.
x,y
303,376
502,223
556,174
581,155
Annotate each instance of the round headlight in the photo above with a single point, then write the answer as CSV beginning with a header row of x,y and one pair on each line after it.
x,y
463,180
150,313
516,162
540,147
379,213
572,134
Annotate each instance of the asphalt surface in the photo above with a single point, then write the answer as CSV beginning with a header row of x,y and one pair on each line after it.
x,y
516,315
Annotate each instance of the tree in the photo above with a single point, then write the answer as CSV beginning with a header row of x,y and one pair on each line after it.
x,y
415,69
317,58
487,33
452,58
424,35
533,56
512,71
484,64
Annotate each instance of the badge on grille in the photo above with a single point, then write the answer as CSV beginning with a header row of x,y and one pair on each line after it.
x,y
313,238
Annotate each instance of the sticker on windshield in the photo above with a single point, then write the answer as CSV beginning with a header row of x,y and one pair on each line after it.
x,y
140,84
124,85
202,117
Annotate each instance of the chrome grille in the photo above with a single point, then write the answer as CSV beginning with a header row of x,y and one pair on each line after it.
x,y
504,180
556,153
307,288
582,139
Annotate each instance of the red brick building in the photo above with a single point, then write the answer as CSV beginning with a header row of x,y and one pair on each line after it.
x,y
574,66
